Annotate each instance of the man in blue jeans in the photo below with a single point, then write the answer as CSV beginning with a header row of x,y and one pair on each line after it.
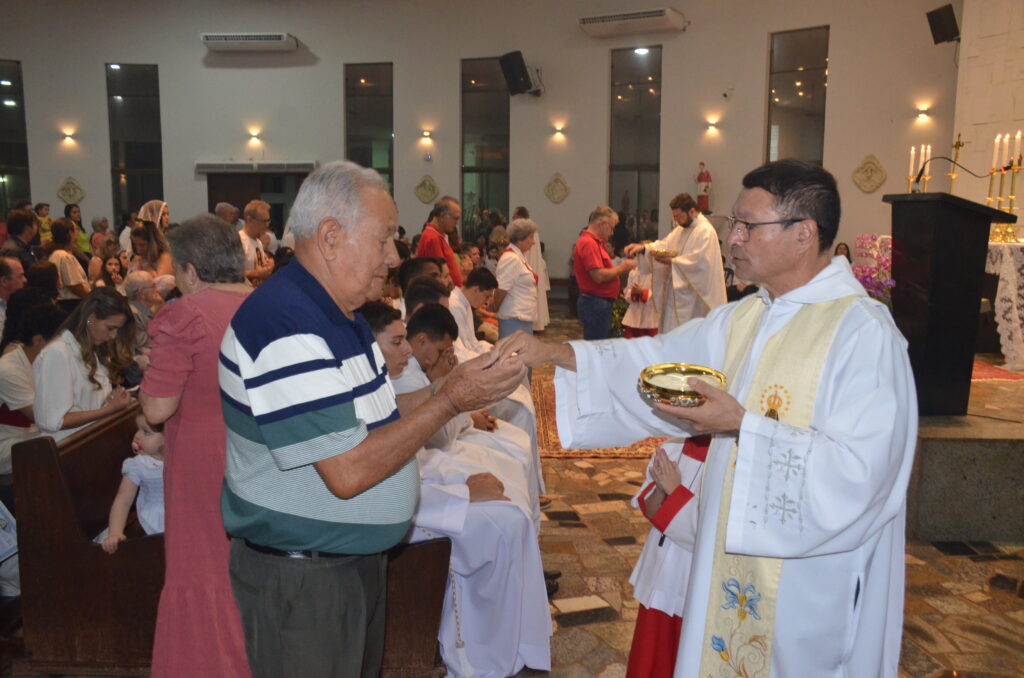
x,y
597,278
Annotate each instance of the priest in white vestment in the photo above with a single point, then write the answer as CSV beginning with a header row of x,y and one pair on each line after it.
x,y
496,618
691,281
799,558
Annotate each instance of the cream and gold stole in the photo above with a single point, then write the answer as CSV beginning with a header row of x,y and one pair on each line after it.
x,y
740,620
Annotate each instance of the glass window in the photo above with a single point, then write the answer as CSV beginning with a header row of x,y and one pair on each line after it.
x,y
369,118
485,140
635,141
796,95
14,186
136,151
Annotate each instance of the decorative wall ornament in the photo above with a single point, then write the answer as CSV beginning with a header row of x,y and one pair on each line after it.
x,y
557,190
427,189
71,192
869,175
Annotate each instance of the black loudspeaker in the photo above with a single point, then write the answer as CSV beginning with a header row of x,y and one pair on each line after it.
x,y
517,75
942,21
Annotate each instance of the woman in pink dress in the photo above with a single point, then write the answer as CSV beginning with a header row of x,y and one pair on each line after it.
x,y
198,628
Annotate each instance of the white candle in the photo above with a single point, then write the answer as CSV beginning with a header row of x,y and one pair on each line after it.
x,y
1006,149
921,159
929,159
910,172
995,152
1016,148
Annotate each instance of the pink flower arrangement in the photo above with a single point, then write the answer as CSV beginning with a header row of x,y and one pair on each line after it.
x,y
876,275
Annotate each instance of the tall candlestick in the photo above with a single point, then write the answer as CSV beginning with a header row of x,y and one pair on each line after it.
x,y
910,172
995,152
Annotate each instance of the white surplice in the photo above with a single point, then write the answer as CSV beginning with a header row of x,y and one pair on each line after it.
x,y
499,607
694,283
839,609
535,258
505,452
642,313
663,569
517,408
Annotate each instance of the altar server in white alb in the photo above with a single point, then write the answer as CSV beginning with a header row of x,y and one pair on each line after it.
x,y
798,564
659,579
496,618
691,282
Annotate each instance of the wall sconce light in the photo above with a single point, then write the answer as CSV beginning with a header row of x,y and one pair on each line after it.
x,y
712,125
67,136
559,131
254,136
923,114
427,134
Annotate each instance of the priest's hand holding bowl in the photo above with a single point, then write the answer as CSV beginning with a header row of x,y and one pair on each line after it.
x,y
719,413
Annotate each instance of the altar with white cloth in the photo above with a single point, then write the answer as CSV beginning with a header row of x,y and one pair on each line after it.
x,y
1006,260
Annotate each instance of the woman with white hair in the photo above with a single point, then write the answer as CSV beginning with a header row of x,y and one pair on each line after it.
x,y
516,297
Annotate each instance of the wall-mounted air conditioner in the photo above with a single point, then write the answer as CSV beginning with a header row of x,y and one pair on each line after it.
x,y
630,23
250,42
255,167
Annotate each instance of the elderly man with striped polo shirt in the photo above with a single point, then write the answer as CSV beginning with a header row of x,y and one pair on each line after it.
x,y
321,475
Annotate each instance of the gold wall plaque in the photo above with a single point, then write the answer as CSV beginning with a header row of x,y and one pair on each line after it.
x,y
557,190
71,192
427,189
869,175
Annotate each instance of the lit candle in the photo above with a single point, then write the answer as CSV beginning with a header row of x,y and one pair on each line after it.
x,y
1016,149
921,159
1006,149
995,152
929,158
910,172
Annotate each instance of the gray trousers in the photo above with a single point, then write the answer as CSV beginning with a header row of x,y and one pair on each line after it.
x,y
319,617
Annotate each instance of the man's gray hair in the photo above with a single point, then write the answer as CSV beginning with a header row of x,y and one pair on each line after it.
x,y
334,190
520,229
97,221
223,209
137,281
211,245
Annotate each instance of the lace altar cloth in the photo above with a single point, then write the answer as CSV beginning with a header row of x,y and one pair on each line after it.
x,y
1007,261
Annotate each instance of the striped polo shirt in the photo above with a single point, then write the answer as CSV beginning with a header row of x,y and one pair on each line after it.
x,y
301,383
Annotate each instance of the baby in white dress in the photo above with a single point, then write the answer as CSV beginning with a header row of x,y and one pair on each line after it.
x,y
143,475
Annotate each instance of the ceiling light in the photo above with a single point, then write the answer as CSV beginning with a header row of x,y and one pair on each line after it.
x,y
798,83
118,97
362,81
5,83
650,77
651,90
641,51
115,67
799,94
776,99
10,102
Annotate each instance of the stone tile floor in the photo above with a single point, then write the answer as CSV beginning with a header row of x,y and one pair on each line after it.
x,y
964,609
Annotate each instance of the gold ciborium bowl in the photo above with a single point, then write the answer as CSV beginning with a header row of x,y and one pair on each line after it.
x,y
669,383
667,254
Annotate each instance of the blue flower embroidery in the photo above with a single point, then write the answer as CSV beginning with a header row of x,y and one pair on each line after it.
x,y
743,600
718,645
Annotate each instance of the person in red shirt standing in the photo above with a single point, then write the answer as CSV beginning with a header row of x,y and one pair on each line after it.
x,y
597,277
434,239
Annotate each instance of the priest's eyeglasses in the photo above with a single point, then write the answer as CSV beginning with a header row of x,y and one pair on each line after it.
x,y
744,228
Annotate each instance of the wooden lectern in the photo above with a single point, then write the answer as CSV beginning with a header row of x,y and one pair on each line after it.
x,y
939,245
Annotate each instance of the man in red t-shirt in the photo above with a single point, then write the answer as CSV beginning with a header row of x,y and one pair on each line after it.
x,y
434,239
597,277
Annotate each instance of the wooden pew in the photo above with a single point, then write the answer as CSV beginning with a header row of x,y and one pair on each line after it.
x,y
89,613
84,612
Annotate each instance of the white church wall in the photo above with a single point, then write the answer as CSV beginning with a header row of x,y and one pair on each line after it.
x,y
882,61
990,91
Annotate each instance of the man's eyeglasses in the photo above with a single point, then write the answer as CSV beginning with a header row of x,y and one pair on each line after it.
x,y
743,228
